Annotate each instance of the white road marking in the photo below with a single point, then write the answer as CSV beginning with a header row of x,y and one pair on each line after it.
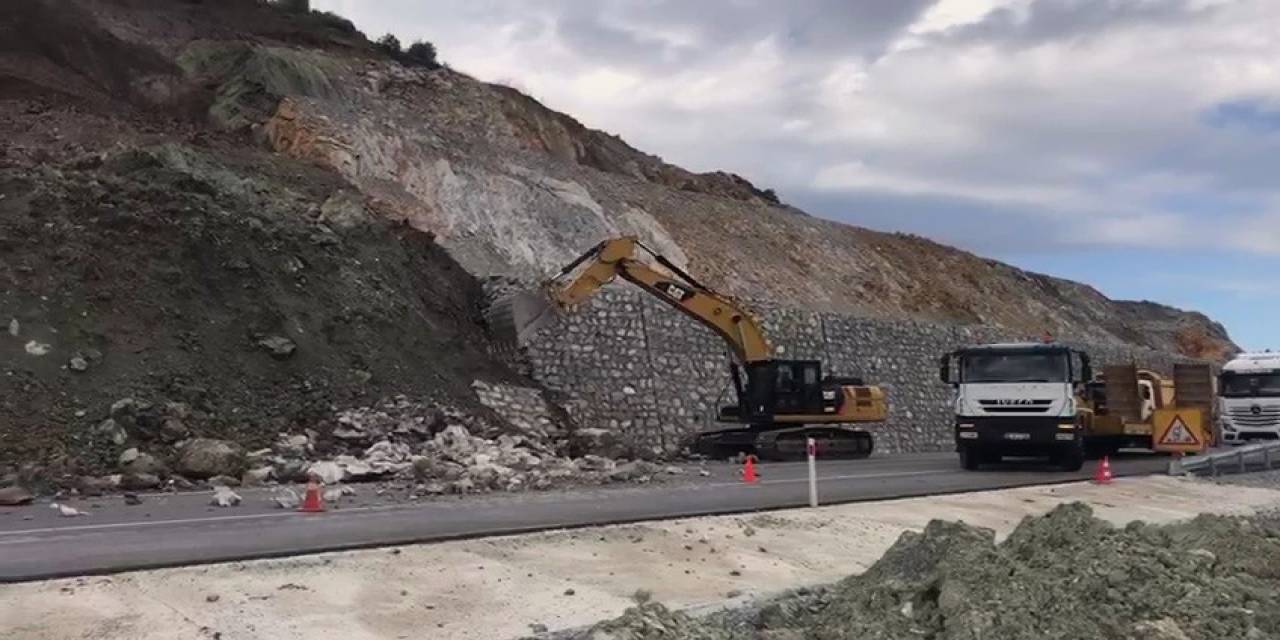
x,y
859,476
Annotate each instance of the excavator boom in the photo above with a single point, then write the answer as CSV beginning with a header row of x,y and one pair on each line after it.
x,y
518,316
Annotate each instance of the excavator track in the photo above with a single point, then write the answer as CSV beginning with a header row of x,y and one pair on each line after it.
x,y
833,443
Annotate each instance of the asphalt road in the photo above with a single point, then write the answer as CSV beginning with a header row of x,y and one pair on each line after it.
x,y
180,529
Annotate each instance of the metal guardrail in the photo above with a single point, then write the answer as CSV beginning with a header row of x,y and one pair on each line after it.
x,y
1254,457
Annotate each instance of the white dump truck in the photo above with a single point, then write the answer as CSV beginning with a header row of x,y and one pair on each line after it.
x,y
1249,398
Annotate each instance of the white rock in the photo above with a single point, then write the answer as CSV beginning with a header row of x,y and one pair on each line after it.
x,y
257,475
67,512
286,498
38,348
356,469
328,472
224,497
128,456
14,327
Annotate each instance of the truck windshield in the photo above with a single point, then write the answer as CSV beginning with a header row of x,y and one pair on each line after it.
x,y
1250,385
1014,367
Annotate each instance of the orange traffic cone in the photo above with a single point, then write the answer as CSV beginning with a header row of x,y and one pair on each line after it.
x,y
313,502
1103,474
749,470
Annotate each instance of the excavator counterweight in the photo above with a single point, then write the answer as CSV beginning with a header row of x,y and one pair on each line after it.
x,y
781,403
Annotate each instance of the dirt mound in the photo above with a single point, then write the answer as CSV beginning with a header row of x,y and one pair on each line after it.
x,y
1063,575
262,294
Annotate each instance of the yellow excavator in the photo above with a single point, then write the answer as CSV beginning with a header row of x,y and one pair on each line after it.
x,y
781,403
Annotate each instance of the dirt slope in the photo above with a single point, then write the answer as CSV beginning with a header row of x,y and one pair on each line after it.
x,y
144,255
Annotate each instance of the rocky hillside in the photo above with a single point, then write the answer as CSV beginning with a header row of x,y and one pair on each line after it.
x,y
249,220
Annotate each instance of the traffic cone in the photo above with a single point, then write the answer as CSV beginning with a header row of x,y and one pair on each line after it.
x,y
313,502
749,470
1103,474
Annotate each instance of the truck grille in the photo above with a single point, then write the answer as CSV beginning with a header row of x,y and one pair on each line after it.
x,y
1001,406
1267,417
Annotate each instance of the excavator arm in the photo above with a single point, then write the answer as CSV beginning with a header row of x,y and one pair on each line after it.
x,y
616,258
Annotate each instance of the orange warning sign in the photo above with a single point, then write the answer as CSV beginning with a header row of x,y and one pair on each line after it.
x,y
1179,430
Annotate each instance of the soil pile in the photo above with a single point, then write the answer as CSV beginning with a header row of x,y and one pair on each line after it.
x,y
1063,575
260,297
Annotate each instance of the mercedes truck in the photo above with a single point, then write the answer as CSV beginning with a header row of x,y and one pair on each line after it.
x,y
1018,400
1249,398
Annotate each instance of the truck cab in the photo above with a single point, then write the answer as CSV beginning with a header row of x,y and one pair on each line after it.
x,y
1249,398
1017,399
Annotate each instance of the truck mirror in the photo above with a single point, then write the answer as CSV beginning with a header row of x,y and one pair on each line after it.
x,y
1086,369
944,369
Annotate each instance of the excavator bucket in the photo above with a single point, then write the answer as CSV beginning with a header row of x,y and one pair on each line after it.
x,y
515,317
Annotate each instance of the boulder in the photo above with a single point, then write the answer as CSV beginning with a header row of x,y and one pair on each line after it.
x,y
293,446
139,481
328,472
280,347
625,471
141,463
173,430
257,476
128,456
387,457
286,498
355,468
15,496
350,434
224,497
224,481
596,463
206,457
291,470
97,485
111,431
599,442
456,442
124,407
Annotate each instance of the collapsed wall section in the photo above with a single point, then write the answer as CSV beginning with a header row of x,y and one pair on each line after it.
x,y
630,364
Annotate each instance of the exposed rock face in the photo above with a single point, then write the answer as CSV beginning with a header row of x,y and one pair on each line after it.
x,y
505,188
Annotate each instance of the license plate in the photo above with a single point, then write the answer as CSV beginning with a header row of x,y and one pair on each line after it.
x,y
1017,436
1137,430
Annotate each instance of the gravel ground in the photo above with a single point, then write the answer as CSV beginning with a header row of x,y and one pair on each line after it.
x,y
1258,479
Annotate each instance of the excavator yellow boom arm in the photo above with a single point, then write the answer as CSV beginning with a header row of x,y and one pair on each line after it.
x,y
617,258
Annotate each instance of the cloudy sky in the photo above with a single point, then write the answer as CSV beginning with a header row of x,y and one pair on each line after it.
x,y
1130,144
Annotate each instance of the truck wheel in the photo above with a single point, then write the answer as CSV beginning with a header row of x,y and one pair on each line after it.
x,y
1070,459
970,458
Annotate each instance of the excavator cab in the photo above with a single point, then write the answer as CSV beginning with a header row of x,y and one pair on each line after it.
x,y
777,387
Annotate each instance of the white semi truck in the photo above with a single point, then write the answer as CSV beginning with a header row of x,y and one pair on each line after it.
x,y
1017,399
1249,398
